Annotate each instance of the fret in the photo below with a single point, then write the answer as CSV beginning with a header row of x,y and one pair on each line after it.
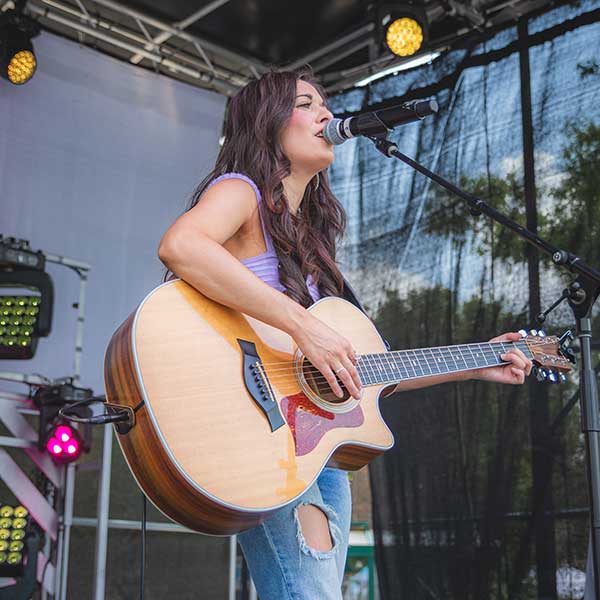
x,y
363,372
459,358
370,370
447,354
380,372
406,356
407,365
425,361
434,365
400,366
475,364
389,368
495,356
465,350
442,359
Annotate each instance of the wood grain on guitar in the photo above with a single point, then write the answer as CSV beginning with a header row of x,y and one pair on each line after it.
x,y
203,449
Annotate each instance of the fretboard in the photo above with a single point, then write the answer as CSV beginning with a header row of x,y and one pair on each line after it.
x,y
397,366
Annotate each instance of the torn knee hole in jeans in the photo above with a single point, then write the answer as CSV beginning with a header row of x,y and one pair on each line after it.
x,y
326,548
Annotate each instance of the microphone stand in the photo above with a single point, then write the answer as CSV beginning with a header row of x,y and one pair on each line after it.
x,y
580,294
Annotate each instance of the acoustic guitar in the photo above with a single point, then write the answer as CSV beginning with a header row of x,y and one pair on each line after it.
x,y
230,422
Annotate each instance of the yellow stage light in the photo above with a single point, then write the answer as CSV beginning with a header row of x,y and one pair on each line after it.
x,y
21,67
404,36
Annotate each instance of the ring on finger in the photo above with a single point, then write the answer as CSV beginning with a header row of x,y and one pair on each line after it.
x,y
340,370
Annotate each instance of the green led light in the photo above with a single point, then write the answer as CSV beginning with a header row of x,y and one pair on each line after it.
x,y
16,546
6,523
4,534
3,545
17,534
14,558
3,558
21,511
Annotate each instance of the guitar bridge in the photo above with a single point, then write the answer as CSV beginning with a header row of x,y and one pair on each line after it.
x,y
258,386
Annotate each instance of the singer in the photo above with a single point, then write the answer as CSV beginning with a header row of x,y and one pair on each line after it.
x,y
260,237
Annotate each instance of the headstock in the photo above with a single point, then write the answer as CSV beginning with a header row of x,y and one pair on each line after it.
x,y
548,354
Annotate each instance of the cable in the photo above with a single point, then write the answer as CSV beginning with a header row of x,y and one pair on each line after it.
x,y
143,553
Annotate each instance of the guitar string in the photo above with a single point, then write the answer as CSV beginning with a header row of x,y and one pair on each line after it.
x,y
396,369
383,359
404,353
318,377
369,371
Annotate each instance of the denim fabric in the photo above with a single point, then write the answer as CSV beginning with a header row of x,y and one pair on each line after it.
x,y
282,565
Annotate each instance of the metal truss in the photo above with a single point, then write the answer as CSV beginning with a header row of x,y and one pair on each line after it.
x,y
137,37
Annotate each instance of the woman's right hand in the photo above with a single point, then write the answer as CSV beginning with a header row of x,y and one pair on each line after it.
x,y
331,353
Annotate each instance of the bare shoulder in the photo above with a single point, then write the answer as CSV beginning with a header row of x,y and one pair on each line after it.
x,y
222,210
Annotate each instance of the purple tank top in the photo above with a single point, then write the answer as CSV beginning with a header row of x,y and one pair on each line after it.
x,y
265,265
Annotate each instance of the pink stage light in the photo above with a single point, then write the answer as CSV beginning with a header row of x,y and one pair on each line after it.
x,y
64,445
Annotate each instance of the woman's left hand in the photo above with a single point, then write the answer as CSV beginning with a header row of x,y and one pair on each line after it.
x,y
514,372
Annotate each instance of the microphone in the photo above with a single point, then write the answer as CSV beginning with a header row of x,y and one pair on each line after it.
x,y
337,131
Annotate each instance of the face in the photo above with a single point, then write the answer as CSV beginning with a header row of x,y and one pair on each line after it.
x,y
301,139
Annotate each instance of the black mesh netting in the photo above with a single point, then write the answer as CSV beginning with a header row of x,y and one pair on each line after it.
x,y
484,493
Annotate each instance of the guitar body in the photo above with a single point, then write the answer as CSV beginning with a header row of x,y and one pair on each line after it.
x,y
202,449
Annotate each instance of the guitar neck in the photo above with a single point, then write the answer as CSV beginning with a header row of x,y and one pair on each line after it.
x,y
402,365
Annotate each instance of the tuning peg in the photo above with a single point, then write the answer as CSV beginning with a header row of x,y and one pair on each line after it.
x,y
541,374
533,332
562,377
552,377
541,333
523,333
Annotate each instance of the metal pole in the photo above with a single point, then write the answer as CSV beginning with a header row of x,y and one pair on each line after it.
x,y
103,505
539,410
59,542
67,523
232,565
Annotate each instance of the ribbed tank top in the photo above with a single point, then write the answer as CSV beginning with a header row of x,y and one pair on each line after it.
x,y
265,265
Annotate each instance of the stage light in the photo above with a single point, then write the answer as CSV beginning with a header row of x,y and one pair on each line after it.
x,y
14,528
404,36
17,58
26,299
61,440
64,444
404,28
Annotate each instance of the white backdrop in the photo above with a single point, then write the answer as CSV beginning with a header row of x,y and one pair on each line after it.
x,y
97,158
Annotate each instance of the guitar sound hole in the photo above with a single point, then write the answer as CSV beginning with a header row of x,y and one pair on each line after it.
x,y
318,384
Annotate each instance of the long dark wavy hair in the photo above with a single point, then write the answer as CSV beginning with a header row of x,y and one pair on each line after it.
x,y
305,243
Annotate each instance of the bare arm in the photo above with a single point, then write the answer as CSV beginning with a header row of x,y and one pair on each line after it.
x,y
517,368
193,249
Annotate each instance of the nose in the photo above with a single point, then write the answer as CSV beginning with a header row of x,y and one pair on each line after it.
x,y
325,114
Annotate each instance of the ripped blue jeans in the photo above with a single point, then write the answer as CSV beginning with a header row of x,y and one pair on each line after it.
x,y
282,565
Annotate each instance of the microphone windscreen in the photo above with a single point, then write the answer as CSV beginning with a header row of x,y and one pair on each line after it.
x,y
331,132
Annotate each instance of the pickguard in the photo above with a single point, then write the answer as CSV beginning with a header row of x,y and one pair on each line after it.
x,y
309,423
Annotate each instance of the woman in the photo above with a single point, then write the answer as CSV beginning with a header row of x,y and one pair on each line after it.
x,y
260,238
